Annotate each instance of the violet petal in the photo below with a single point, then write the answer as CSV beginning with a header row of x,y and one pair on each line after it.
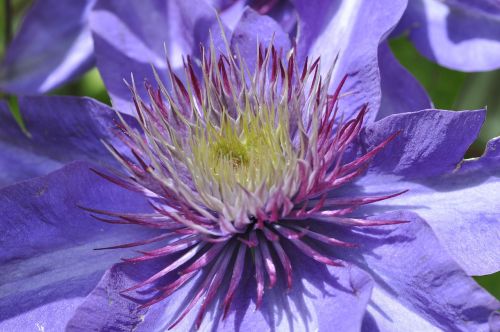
x,y
53,46
460,206
253,29
129,38
401,92
62,129
352,30
431,142
416,283
462,34
47,258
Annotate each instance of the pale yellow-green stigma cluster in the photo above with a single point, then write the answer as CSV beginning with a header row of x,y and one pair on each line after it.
x,y
250,153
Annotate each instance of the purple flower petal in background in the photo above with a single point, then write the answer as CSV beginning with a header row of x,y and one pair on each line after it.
x,y
253,29
130,37
351,31
282,11
462,35
53,46
401,92
60,130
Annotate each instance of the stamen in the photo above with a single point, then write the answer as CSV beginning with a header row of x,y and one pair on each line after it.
x,y
235,162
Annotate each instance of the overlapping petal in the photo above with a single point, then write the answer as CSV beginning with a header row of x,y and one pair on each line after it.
x,y
351,30
417,284
430,142
401,92
131,37
459,34
48,262
53,46
60,130
458,199
253,29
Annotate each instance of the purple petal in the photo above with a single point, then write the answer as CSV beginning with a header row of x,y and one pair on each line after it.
x,y
416,283
352,30
61,129
253,29
282,11
431,142
488,162
459,199
129,38
401,92
53,46
17,163
461,35
460,206
47,258
112,311
320,299
229,11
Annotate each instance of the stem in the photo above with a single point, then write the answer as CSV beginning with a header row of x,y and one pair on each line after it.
x,y
8,21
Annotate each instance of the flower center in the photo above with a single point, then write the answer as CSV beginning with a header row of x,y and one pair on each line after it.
x,y
228,152
248,152
237,165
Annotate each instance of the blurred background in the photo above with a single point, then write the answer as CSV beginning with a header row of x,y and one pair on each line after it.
x,y
448,89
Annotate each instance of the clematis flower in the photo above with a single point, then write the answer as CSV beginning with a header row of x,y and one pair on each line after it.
x,y
262,203
53,279
235,169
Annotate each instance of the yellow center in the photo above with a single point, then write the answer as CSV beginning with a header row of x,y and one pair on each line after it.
x,y
251,151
